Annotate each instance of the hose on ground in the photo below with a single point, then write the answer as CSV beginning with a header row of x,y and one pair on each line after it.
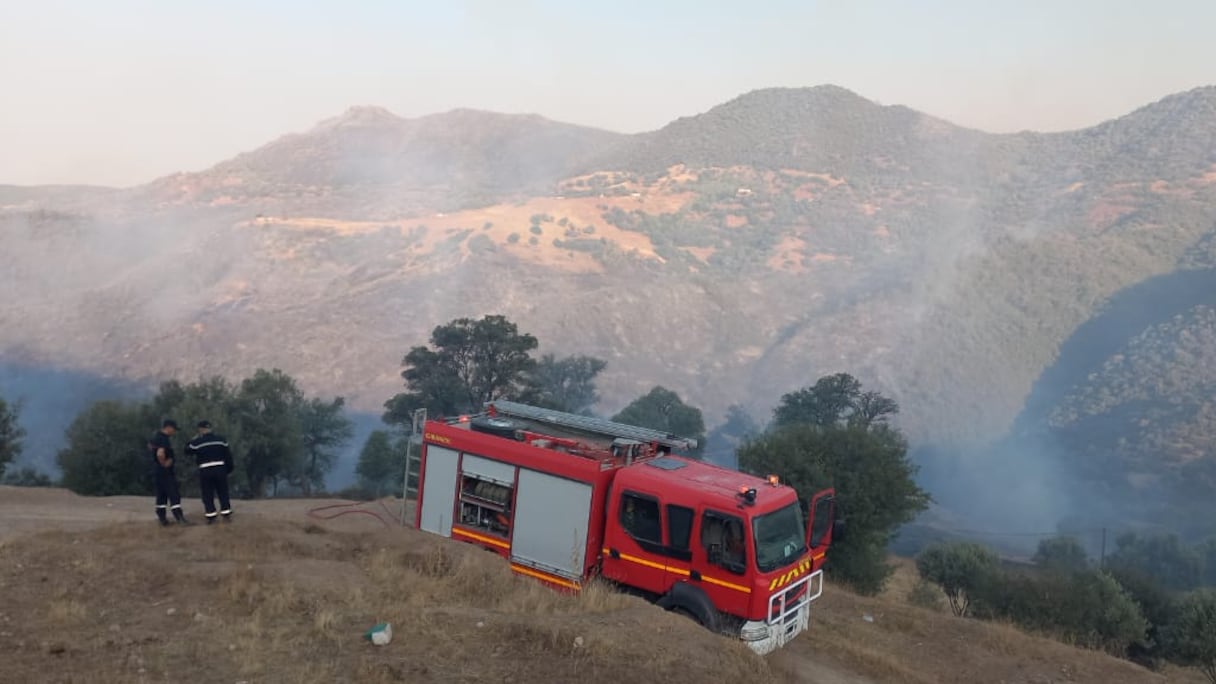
x,y
353,508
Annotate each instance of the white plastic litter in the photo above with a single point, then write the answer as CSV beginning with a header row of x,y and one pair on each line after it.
x,y
381,634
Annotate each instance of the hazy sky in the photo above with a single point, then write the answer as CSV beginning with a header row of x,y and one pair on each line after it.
x,y
119,92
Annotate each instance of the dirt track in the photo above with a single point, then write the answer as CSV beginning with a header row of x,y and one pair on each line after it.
x,y
24,510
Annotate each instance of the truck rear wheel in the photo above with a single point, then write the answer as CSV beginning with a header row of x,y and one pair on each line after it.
x,y
680,610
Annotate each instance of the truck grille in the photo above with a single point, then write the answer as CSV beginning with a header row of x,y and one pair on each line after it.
x,y
783,606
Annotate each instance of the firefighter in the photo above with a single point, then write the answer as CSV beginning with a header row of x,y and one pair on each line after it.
x,y
167,496
214,460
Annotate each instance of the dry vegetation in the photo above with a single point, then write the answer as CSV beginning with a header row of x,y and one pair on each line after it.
x,y
274,600
906,643
96,592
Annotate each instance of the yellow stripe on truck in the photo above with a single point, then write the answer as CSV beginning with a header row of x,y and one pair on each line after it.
x,y
793,574
543,576
481,538
681,571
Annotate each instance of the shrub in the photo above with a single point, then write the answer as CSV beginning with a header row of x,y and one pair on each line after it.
x,y
1087,608
925,595
1191,637
1061,554
959,568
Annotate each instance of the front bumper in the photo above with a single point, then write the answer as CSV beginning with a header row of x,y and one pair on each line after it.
x,y
789,619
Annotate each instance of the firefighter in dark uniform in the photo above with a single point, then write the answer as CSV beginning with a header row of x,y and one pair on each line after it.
x,y
167,494
214,460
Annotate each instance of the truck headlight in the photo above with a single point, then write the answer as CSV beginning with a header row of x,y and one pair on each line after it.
x,y
754,632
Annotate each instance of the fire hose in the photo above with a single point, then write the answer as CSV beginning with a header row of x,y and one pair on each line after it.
x,y
353,508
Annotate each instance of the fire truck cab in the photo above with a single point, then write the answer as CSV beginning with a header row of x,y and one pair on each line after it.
x,y
565,498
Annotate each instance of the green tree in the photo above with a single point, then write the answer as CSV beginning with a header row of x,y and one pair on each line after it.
x,y
12,434
28,477
106,450
1157,606
566,384
473,361
378,468
960,569
324,430
1062,554
662,409
832,401
1166,558
1191,637
212,399
816,441
267,409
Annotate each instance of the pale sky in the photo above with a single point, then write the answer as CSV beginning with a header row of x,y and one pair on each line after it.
x,y
119,92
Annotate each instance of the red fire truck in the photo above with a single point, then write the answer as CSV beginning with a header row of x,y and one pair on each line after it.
x,y
565,498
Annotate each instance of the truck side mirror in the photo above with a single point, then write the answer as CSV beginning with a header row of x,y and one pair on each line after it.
x,y
838,530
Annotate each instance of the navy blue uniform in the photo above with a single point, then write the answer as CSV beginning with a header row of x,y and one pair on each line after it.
x,y
167,494
214,460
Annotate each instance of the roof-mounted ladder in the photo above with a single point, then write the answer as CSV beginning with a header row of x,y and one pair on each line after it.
x,y
590,424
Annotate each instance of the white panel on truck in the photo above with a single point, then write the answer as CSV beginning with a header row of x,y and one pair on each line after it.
x,y
550,527
502,473
438,490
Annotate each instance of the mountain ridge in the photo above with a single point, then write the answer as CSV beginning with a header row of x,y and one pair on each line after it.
x,y
731,256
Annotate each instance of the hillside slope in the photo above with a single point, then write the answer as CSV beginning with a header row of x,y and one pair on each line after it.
x,y
280,595
731,256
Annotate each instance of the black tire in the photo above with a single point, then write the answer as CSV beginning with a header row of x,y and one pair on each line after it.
x,y
681,611
501,427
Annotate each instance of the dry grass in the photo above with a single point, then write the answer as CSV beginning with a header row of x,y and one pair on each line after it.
x,y
906,643
270,600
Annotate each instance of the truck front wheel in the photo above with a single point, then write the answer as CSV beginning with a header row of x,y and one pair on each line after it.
x,y
679,610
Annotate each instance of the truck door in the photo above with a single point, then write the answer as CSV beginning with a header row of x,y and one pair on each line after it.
x,y
819,526
720,560
634,540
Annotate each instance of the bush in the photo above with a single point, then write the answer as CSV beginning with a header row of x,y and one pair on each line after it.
x,y
960,569
1158,608
925,595
1087,608
1061,554
1191,638
27,477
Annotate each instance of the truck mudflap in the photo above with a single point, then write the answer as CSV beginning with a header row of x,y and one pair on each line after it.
x,y
788,617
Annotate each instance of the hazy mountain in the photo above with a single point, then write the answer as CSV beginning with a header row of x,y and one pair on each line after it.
x,y
732,256
369,163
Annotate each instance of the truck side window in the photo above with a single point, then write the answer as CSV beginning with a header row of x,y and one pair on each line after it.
x,y
723,541
640,518
679,527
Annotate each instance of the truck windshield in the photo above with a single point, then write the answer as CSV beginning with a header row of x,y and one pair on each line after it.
x,y
780,537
